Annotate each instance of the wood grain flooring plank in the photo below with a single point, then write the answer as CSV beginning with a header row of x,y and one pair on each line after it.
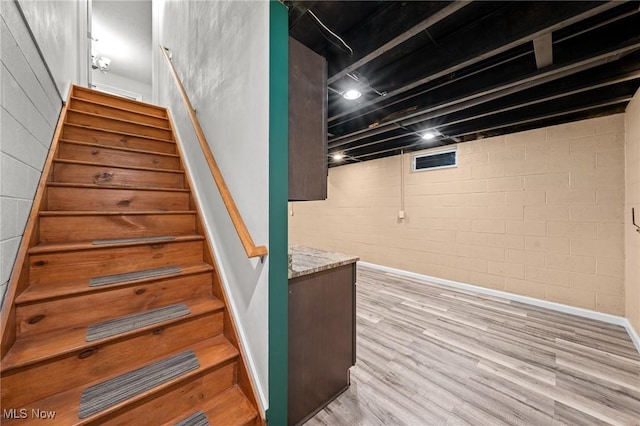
x,y
567,416
428,354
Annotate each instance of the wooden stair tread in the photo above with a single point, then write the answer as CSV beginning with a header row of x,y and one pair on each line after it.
x,y
210,353
95,164
229,408
118,132
160,109
70,213
39,293
119,148
87,245
40,347
90,101
94,186
136,283
121,120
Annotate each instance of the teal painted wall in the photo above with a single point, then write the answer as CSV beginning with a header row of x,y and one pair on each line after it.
x,y
278,195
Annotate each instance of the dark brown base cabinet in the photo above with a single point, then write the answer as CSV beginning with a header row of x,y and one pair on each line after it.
x,y
322,339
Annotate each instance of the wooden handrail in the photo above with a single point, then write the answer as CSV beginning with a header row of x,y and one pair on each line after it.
x,y
245,237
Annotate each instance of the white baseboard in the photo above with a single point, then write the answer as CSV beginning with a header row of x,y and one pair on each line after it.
x,y
586,313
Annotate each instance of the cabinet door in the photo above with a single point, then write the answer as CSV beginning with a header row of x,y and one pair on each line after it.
x,y
321,331
307,123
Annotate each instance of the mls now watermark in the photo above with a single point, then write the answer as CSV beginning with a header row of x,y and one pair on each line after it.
x,y
23,413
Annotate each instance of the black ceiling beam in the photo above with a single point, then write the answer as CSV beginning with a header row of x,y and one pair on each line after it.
x,y
608,102
550,106
538,78
488,38
401,38
581,112
485,77
492,110
613,74
409,98
512,58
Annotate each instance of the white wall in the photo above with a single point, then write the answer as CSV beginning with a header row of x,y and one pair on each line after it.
x,y
221,51
29,111
119,82
60,27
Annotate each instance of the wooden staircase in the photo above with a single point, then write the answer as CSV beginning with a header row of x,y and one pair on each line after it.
x,y
115,233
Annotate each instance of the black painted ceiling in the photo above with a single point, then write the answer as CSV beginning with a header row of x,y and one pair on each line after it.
x,y
466,70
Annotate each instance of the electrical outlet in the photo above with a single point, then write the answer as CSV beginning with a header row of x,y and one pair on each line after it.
x,y
401,214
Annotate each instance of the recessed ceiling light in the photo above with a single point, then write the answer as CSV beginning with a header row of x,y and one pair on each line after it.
x,y
351,94
338,156
428,136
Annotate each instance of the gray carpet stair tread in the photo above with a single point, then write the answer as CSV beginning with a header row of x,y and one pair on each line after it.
x,y
134,240
123,324
133,276
196,419
99,397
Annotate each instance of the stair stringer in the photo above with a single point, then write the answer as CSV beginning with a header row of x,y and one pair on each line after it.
x,y
245,380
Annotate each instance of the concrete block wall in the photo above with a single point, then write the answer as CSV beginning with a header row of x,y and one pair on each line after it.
x,y
632,200
29,109
537,213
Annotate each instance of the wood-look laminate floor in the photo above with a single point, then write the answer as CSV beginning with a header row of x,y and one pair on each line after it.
x,y
432,355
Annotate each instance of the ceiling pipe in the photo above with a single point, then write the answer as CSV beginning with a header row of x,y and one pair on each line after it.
x,y
477,58
487,95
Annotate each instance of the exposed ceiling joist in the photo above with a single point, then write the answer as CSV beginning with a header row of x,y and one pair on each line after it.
x,y
485,69
487,95
610,102
543,48
450,60
427,23
621,78
420,145
469,73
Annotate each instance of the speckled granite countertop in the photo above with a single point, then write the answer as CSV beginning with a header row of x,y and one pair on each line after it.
x,y
307,260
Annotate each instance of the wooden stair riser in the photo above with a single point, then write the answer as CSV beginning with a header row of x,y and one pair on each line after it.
x,y
116,174
84,310
24,385
214,355
82,265
230,408
59,229
106,155
109,175
115,139
114,199
117,125
117,101
79,104
182,397
37,293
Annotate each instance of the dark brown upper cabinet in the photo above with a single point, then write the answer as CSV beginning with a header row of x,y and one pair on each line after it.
x,y
307,124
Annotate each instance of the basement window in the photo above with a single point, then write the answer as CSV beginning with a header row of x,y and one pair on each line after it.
x,y
435,160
